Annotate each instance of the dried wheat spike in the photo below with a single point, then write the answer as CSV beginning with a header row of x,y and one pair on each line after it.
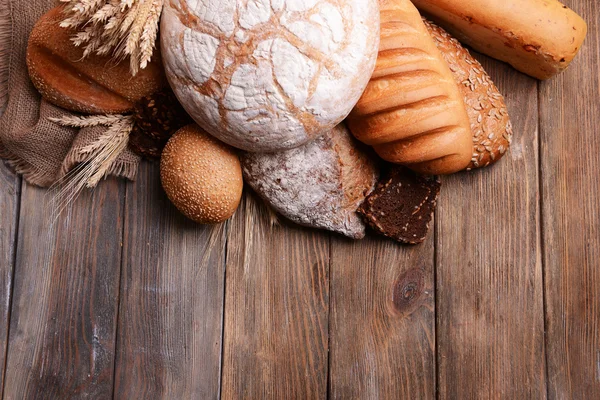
x,y
99,156
119,28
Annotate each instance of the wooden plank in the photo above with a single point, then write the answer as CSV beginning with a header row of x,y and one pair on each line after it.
x,y
570,155
382,320
489,299
10,188
62,329
277,301
170,319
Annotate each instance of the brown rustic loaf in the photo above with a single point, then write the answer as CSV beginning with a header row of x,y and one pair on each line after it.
x,y
490,123
412,112
402,205
320,184
537,37
94,85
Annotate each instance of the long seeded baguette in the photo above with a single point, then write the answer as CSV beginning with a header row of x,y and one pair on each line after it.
x,y
537,37
490,123
412,112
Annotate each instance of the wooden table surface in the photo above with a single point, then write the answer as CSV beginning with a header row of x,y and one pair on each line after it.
x,y
122,297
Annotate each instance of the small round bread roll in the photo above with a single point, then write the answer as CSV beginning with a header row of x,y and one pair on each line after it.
x,y
201,176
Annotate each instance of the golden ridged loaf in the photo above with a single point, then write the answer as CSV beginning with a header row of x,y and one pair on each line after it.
x,y
412,112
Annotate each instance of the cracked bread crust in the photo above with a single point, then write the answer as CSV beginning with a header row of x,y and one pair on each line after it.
x,y
269,75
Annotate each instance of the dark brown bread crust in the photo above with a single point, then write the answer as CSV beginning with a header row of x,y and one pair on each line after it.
x,y
157,118
402,205
94,85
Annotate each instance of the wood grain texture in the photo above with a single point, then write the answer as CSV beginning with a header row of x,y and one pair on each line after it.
x,y
489,306
62,328
171,310
276,309
10,188
570,150
382,320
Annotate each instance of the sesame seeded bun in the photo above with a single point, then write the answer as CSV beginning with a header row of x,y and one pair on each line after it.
x,y
201,176
490,123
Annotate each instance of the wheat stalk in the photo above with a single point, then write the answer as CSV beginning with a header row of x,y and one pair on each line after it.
x,y
87,122
119,28
99,156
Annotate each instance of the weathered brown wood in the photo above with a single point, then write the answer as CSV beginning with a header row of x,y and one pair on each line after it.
x,y
62,328
277,301
570,155
171,311
489,301
382,320
10,187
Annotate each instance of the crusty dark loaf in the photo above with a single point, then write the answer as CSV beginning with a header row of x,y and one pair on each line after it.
x,y
94,85
412,112
537,37
320,184
402,205
490,123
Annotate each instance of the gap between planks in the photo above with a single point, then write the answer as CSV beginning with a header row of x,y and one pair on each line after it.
x,y
16,219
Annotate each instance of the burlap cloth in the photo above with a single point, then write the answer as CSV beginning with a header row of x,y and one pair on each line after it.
x,y
40,150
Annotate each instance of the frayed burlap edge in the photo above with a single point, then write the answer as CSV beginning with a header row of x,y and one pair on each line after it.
x,y
5,51
120,168
6,42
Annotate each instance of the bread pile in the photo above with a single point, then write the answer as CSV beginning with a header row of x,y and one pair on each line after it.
x,y
269,84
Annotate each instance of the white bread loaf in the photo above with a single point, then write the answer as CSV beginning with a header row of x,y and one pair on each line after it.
x,y
268,75
537,37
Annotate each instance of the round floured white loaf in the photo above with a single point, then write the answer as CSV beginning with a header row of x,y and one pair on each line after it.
x,y
269,75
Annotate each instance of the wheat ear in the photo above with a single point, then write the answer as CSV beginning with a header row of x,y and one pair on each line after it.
x,y
99,156
119,28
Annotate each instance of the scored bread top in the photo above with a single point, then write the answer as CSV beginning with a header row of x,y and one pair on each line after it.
x,y
412,112
269,75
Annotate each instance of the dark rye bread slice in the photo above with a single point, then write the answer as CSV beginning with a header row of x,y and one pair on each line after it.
x,y
402,205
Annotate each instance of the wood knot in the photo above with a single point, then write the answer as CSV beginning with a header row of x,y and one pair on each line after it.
x,y
408,290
